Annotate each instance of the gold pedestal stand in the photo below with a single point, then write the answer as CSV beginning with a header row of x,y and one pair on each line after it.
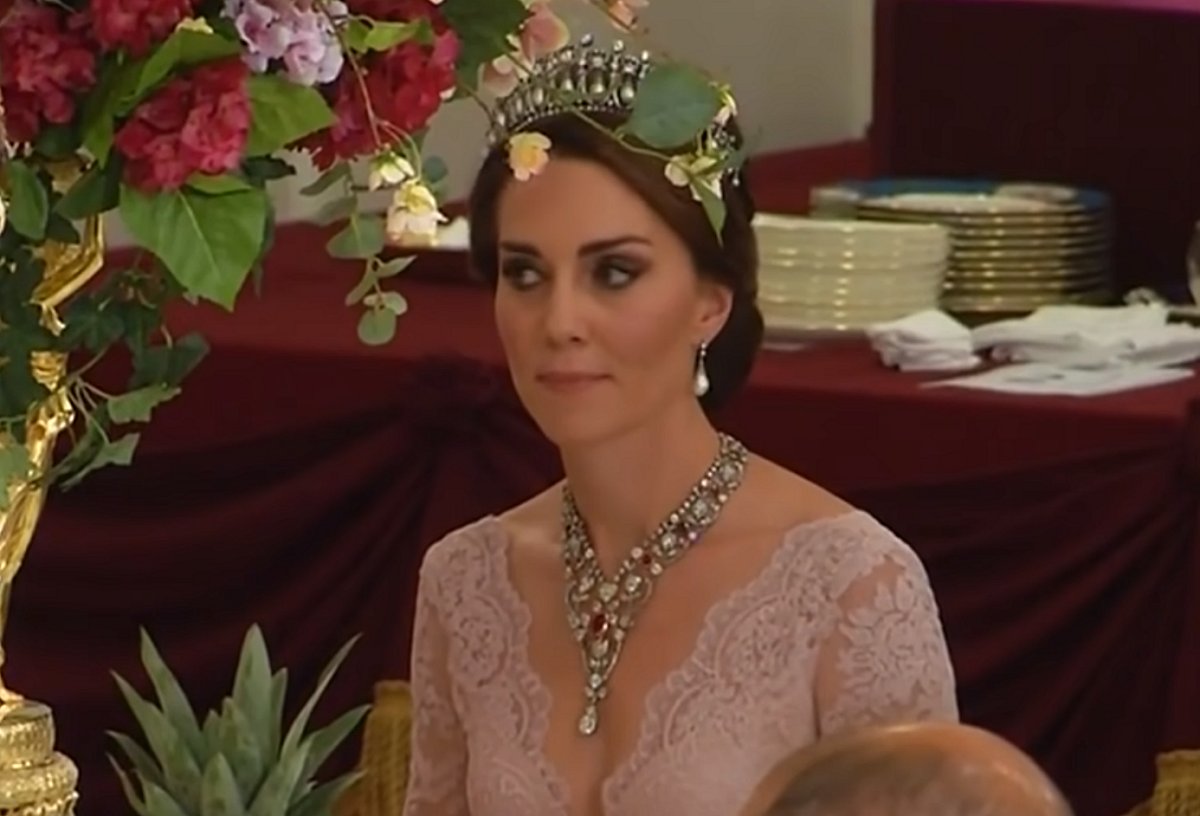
x,y
35,780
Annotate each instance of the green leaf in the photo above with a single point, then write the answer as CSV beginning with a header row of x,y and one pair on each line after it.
x,y
325,741
394,267
208,243
119,453
674,104
714,207
483,28
142,762
29,206
61,230
282,113
131,794
181,773
336,173
363,34
161,803
377,327
137,406
14,466
276,792
279,684
168,364
337,210
91,323
242,749
57,141
19,389
116,82
171,698
252,686
97,191
393,302
296,732
183,47
321,801
261,169
363,237
222,184
219,794
434,170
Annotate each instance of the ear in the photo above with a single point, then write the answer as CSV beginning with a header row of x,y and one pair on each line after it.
x,y
715,303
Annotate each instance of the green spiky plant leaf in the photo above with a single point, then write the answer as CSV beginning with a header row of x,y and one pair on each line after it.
x,y
241,761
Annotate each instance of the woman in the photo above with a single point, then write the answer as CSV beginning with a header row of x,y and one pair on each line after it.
x,y
720,612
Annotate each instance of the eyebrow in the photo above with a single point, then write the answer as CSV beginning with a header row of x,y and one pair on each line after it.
x,y
590,248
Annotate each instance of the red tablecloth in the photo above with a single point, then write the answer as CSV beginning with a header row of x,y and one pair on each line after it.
x,y
299,478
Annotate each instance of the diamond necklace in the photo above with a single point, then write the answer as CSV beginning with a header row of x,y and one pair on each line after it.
x,y
602,611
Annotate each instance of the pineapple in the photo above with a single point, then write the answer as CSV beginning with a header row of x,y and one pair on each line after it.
x,y
240,762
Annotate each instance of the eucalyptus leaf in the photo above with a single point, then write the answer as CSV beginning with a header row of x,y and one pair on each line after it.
x,y
336,210
362,237
208,243
394,267
377,327
674,104
296,732
137,406
394,302
361,289
219,794
283,112
29,203
171,698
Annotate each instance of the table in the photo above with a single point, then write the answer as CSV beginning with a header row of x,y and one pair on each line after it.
x,y
299,478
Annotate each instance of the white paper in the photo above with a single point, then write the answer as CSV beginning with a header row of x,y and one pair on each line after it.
x,y
1051,380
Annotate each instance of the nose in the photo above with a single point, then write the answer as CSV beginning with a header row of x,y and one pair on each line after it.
x,y
564,320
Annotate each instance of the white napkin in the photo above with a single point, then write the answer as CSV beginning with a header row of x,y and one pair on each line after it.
x,y
1044,379
1090,337
925,341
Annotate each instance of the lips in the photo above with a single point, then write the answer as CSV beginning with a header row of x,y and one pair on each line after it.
x,y
569,380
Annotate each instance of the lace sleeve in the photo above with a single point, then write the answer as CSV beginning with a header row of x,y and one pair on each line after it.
x,y
437,772
884,657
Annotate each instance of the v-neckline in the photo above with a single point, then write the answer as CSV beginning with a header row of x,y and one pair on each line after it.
x,y
624,772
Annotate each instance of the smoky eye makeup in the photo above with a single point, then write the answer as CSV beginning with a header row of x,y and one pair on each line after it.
x,y
520,271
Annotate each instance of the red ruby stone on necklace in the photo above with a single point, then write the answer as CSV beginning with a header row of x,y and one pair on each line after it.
x,y
647,559
599,623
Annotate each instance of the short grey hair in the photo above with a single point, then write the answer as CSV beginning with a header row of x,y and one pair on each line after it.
x,y
887,780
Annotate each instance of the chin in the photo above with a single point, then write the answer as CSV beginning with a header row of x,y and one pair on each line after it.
x,y
578,428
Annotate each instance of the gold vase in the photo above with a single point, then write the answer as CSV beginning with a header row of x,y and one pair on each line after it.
x,y
36,780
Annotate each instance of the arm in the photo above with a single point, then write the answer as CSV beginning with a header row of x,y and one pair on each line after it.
x,y
437,771
884,657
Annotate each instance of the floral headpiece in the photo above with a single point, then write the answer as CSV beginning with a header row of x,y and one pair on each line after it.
x,y
669,110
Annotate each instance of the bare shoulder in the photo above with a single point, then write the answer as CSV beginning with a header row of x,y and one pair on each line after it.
x,y
535,523
779,500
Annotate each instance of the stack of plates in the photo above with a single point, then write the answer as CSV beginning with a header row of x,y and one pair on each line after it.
x,y
822,277
1014,249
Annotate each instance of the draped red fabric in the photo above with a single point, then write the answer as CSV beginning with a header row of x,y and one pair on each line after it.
x,y
299,478
1100,94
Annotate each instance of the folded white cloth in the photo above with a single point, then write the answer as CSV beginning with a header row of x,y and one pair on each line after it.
x,y
1089,336
926,341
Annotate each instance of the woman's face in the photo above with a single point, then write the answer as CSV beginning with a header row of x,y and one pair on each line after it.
x,y
598,304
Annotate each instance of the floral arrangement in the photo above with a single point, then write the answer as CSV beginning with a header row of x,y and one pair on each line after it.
x,y
177,114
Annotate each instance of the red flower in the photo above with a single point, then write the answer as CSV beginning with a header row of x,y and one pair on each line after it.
x,y
195,123
47,62
405,86
137,25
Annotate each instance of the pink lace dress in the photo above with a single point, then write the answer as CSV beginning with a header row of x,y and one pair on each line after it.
x,y
840,628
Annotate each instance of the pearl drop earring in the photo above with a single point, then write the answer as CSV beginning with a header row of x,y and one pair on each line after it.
x,y
700,383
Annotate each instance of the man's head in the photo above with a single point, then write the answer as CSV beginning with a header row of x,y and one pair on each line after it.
x,y
914,770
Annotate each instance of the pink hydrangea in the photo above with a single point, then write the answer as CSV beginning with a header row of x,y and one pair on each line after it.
x,y
293,33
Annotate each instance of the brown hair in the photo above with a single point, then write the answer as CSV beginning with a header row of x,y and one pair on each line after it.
x,y
731,262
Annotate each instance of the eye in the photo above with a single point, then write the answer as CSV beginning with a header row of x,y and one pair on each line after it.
x,y
616,273
520,273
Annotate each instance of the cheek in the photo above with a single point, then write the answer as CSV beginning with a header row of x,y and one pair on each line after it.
x,y
648,334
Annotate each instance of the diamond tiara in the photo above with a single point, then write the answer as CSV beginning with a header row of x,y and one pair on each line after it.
x,y
585,78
